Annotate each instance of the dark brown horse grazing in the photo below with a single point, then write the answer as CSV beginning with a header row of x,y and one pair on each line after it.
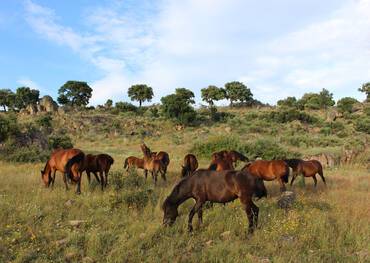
x,y
68,161
219,187
189,166
101,164
269,170
152,164
306,168
133,161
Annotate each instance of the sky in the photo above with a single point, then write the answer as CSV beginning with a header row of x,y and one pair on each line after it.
x,y
277,48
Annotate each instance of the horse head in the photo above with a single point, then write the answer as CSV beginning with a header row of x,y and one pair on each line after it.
x,y
170,213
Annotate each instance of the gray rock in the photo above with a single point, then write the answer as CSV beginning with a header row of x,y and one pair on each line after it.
x,y
286,199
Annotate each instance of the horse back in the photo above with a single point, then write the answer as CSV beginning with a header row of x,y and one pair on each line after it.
x,y
60,157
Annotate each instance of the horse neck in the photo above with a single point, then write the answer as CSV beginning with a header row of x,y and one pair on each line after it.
x,y
179,195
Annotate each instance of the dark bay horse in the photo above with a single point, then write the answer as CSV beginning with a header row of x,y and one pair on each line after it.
x,y
133,161
152,164
189,166
68,161
218,187
306,168
269,171
101,164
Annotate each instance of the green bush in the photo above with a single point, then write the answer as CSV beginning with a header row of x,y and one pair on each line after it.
x,y
289,115
60,141
130,190
44,121
205,149
29,154
363,124
8,126
125,107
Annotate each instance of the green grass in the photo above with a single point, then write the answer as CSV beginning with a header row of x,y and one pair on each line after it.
x,y
327,224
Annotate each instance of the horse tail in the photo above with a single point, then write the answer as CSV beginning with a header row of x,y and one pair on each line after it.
x,y
111,160
78,158
126,163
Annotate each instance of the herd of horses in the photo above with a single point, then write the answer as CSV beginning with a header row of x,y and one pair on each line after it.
x,y
219,183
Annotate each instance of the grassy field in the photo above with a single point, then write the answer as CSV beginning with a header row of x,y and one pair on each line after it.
x,y
327,224
123,224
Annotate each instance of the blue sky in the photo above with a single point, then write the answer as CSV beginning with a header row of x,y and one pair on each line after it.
x,y
277,48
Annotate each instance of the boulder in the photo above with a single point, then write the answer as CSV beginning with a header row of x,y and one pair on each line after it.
x,y
48,104
286,199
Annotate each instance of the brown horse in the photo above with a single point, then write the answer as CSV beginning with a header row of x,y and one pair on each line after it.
x,y
101,164
189,166
133,161
152,164
270,170
68,161
306,168
164,158
231,157
219,187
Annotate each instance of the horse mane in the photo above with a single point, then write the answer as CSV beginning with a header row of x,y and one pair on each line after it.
x,y
241,156
292,162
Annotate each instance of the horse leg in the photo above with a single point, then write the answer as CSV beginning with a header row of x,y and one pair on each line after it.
x,y
163,175
53,178
282,185
293,178
322,176
154,176
314,179
200,216
96,177
106,178
196,208
65,181
101,180
145,174
252,213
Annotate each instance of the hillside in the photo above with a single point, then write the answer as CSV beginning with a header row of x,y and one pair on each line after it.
x,y
123,223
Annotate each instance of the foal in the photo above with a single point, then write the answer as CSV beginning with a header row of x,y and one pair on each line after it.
x,y
306,168
151,164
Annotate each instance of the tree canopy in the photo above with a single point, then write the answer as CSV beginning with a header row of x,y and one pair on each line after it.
x,y
7,99
212,93
178,106
366,89
316,101
237,91
74,93
140,93
25,96
346,104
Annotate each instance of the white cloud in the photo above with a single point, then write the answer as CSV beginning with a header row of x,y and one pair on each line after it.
x,y
194,43
27,82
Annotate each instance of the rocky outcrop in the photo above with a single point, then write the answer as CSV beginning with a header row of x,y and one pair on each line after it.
x,y
47,104
327,160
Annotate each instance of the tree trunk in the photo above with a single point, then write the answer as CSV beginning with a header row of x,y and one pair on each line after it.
x,y
140,102
4,108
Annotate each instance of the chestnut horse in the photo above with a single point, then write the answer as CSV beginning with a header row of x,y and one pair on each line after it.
x,y
68,161
189,166
133,161
306,168
101,164
270,170
218,187
152,164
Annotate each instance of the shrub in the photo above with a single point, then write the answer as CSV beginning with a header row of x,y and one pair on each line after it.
x,y
24,154
288,115
60,141
125,107
8,126
205,149
363,124
130,190
266,149
346,104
